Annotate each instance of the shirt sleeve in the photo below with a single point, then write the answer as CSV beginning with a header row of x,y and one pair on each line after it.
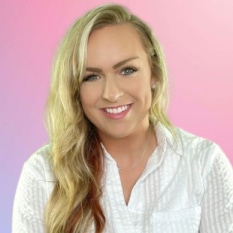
x,y
30,199
217,203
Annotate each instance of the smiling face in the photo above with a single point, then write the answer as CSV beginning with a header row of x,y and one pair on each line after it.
x,y
116,89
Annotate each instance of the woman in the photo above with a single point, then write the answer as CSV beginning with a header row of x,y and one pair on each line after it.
x,y
115,163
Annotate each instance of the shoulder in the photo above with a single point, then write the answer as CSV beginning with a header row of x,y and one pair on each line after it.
x,y
190,141
200,150
33,190
38,165
193,144
187,145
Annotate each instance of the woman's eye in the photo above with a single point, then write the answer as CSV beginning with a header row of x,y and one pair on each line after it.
x,y
90,78
128,70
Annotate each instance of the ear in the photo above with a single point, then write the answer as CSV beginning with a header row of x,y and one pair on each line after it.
x,y
152,82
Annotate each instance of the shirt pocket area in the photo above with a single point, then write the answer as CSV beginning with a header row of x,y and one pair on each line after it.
x,y
177,221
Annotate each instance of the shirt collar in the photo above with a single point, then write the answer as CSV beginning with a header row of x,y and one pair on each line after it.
x,y
173,142
165,139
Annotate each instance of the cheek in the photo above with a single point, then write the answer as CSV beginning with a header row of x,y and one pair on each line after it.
x,y
87,104
86,100
89,96
146,94
142,87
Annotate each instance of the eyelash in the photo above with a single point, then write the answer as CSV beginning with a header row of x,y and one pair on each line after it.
x,y
95,76
133,70
90,78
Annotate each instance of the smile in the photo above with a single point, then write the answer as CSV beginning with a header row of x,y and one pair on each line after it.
x,y
117,110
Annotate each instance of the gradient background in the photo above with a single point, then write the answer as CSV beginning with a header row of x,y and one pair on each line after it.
x,y
197,37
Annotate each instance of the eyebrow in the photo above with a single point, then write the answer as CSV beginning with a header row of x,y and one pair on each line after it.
x,y
117,65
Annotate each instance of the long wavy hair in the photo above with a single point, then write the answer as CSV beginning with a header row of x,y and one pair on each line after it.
x,y
76,155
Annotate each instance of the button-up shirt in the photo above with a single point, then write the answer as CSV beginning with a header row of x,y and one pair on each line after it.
x,y
186,187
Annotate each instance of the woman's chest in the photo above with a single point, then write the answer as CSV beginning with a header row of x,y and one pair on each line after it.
x,y
165,200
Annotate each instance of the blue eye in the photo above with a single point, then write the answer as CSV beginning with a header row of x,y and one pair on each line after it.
x,y
90,78
128,70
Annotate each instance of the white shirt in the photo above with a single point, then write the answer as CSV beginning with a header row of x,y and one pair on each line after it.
x,y
186,187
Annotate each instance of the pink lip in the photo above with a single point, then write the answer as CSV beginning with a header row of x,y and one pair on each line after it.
x,y
117,116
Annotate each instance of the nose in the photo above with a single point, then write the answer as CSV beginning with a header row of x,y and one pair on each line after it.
x,y
112,91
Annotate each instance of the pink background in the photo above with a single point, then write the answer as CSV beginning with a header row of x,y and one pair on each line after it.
x,y
197,37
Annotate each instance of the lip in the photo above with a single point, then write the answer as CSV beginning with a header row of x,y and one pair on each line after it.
x,y
116,112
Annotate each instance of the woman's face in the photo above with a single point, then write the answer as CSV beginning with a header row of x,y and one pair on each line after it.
x,y
116,89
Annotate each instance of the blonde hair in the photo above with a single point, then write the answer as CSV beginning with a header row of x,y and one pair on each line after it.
x,y
76,154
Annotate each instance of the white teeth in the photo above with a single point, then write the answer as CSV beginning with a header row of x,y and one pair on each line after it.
x,y
117,110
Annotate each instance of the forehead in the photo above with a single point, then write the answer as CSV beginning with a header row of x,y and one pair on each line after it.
x,y
114,41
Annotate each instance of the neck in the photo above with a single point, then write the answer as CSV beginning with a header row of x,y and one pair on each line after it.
x,y
128,149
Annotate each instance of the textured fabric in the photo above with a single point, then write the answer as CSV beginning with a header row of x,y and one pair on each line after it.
x,y
186,187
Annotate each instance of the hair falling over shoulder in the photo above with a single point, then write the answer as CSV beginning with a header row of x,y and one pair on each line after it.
x,y
76,153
